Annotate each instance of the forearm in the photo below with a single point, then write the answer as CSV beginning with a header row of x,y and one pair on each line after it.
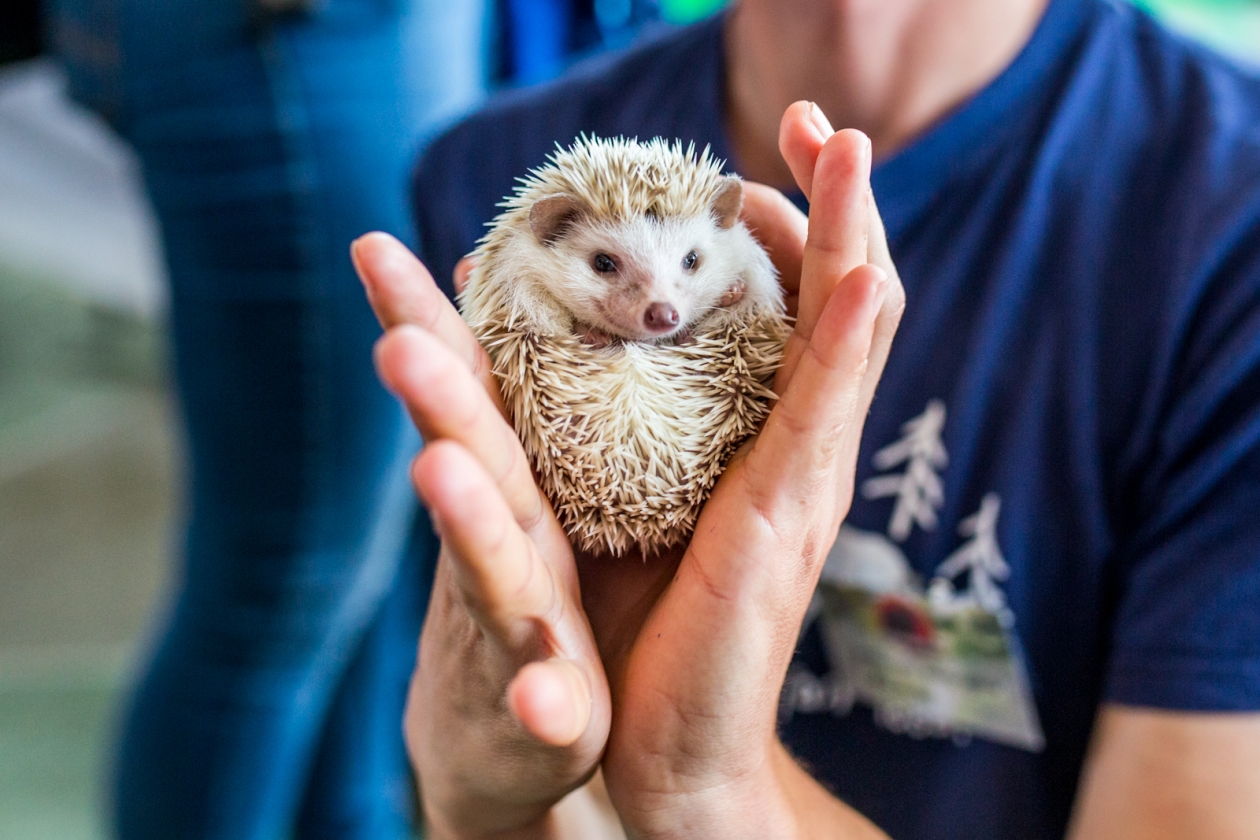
x,y
1160,775
816,813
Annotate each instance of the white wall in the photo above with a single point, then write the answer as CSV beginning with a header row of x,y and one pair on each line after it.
x,y
72,211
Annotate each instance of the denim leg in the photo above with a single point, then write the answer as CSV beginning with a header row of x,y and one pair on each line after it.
x,y
357,790
360,786
266,148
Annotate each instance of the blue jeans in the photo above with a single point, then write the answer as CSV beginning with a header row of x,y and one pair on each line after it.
x,y
271,706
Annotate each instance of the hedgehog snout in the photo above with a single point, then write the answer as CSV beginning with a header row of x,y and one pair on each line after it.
x,y
660,317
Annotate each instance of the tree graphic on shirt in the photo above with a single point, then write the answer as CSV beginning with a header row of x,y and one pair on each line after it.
x,y
918,488
981,557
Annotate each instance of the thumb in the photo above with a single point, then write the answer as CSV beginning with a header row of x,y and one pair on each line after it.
x,y
551,700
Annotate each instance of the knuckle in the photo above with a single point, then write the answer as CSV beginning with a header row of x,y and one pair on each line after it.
x,y
507,460
528,579
427,315
828,247
497,543
895,301
764,501
481,364
850,356
467,413
535,512
794,424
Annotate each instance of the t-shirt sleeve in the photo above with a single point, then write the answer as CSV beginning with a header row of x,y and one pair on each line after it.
x,y
1187,629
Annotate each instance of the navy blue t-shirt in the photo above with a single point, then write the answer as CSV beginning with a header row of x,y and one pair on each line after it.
x,y
1059,488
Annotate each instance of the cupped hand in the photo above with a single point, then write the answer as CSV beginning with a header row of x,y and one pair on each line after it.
x,y
512,703
508,709
693,750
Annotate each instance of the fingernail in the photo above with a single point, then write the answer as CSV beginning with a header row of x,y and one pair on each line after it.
x,y
359,240
820,121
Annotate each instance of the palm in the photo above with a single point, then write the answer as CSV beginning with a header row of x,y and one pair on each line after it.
x,y
683,652
675,632
674,636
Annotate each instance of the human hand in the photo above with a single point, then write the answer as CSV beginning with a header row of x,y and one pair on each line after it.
x,y
693,750
509,709
696,646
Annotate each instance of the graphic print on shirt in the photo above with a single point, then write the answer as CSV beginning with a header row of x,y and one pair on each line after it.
x,y
940,660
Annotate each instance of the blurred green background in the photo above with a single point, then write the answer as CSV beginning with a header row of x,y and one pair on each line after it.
x,y
1232,26
88,444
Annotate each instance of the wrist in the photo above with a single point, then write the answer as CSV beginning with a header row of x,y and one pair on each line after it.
x,y
465,817
584,814
777,799
440,827
748,804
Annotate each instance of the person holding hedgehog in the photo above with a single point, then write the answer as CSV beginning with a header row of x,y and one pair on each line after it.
x,y
1025,577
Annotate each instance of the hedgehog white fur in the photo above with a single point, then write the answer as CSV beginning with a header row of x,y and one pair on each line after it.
x,y
635,326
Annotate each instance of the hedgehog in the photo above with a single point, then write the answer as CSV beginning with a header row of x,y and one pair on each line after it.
x,y
635,327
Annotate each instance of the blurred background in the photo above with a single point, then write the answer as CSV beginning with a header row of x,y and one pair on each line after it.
x,y
89,445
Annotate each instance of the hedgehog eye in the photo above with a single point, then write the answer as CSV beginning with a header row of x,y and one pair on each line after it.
x,y
690,261
603,263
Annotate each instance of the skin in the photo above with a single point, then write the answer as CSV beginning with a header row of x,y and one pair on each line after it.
x,y
1158,774
538,667
892,69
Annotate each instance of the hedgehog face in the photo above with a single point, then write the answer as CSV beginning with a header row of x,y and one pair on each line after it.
x,y
646,279
651,273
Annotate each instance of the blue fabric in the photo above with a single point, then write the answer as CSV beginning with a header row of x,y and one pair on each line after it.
x,y
1080,245
539,38
272,704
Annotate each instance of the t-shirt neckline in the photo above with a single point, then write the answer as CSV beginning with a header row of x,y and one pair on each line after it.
x,y
966,137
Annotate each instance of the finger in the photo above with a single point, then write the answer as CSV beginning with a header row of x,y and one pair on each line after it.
x,y
399,287
499,574
814,429
839,221
877,239
781,229
402,291
803,131
551,700
890,313
839,230
463,269
802,134
447,403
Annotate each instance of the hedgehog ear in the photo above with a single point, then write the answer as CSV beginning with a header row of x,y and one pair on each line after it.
x,y
549,216
727,201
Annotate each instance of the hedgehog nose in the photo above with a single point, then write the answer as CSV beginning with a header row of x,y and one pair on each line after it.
x,y
660,317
